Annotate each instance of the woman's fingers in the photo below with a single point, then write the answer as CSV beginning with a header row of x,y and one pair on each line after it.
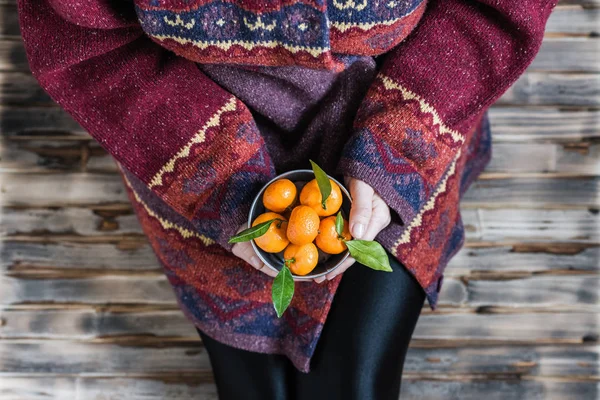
x,y
245,251
361,210
380,218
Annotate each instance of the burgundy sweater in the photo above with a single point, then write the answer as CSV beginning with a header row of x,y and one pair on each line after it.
x,y
201,102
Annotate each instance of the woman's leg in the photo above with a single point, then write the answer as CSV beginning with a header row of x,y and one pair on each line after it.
x,y
359,355
361,351
241,374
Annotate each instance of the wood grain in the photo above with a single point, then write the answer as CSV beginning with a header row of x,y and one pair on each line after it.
x,y
85,312
148,325
189,388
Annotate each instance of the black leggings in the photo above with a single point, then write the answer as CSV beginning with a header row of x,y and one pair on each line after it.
x,y
359,355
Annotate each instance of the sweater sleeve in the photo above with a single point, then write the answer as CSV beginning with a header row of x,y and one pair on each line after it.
x,y
422,112
191,143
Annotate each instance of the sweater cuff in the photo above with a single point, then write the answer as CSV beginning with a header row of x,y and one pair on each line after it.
x,y
370,159
221,215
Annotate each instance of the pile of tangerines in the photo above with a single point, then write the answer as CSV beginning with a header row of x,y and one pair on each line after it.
x,y
303,224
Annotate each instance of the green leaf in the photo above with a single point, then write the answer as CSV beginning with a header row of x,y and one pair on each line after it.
x,y
370,254
323,183
339,224
282,290
252,233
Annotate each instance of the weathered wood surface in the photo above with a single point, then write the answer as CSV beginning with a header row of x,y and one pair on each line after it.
x,y
85,312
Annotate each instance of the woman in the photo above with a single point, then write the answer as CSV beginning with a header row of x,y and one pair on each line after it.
x,y
202,102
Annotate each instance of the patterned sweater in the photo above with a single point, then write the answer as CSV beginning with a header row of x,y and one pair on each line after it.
x,y
201,102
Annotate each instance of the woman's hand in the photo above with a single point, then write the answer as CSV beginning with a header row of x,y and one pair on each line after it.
x,y
369,215
245,251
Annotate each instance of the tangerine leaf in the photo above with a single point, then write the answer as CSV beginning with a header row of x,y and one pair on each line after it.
x,y
323,183
282,290
252,233
370,254
339,224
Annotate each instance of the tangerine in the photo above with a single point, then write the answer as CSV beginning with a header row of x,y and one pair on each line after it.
x,y
301,259
310,195
328,239
279,195
275,239
303,225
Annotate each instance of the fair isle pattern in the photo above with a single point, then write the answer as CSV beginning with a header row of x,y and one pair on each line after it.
x,y
417,163
294,32
226,45
227,157
166,224
199,137
222,295
366,14
425,107
418,220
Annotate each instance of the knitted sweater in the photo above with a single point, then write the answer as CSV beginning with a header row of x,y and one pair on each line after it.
x,y
201,102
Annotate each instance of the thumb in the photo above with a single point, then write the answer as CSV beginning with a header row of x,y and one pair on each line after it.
x,y
360,212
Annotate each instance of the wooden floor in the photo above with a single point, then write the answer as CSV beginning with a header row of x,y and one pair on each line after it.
x,y
85,312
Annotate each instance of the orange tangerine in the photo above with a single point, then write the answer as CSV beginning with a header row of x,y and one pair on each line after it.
x,y
303,225
275,239
310,196
328,239
279,195
302,259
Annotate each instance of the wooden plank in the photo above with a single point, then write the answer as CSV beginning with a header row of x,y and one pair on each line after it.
x,y
83,189
24,257
188,388
113,388
542,291
533,225
532,88
72,357
61,189
38,388
127,289
500,225
68,357
574,54
518,124
524,258
574,20
48,121
87,324
564,361
22,88
536,88
9,18
12,55
19,256
143,389
436,389
65,155
75,221
514,157
514,124
145,324
576,157
99,290
533,192
528,327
